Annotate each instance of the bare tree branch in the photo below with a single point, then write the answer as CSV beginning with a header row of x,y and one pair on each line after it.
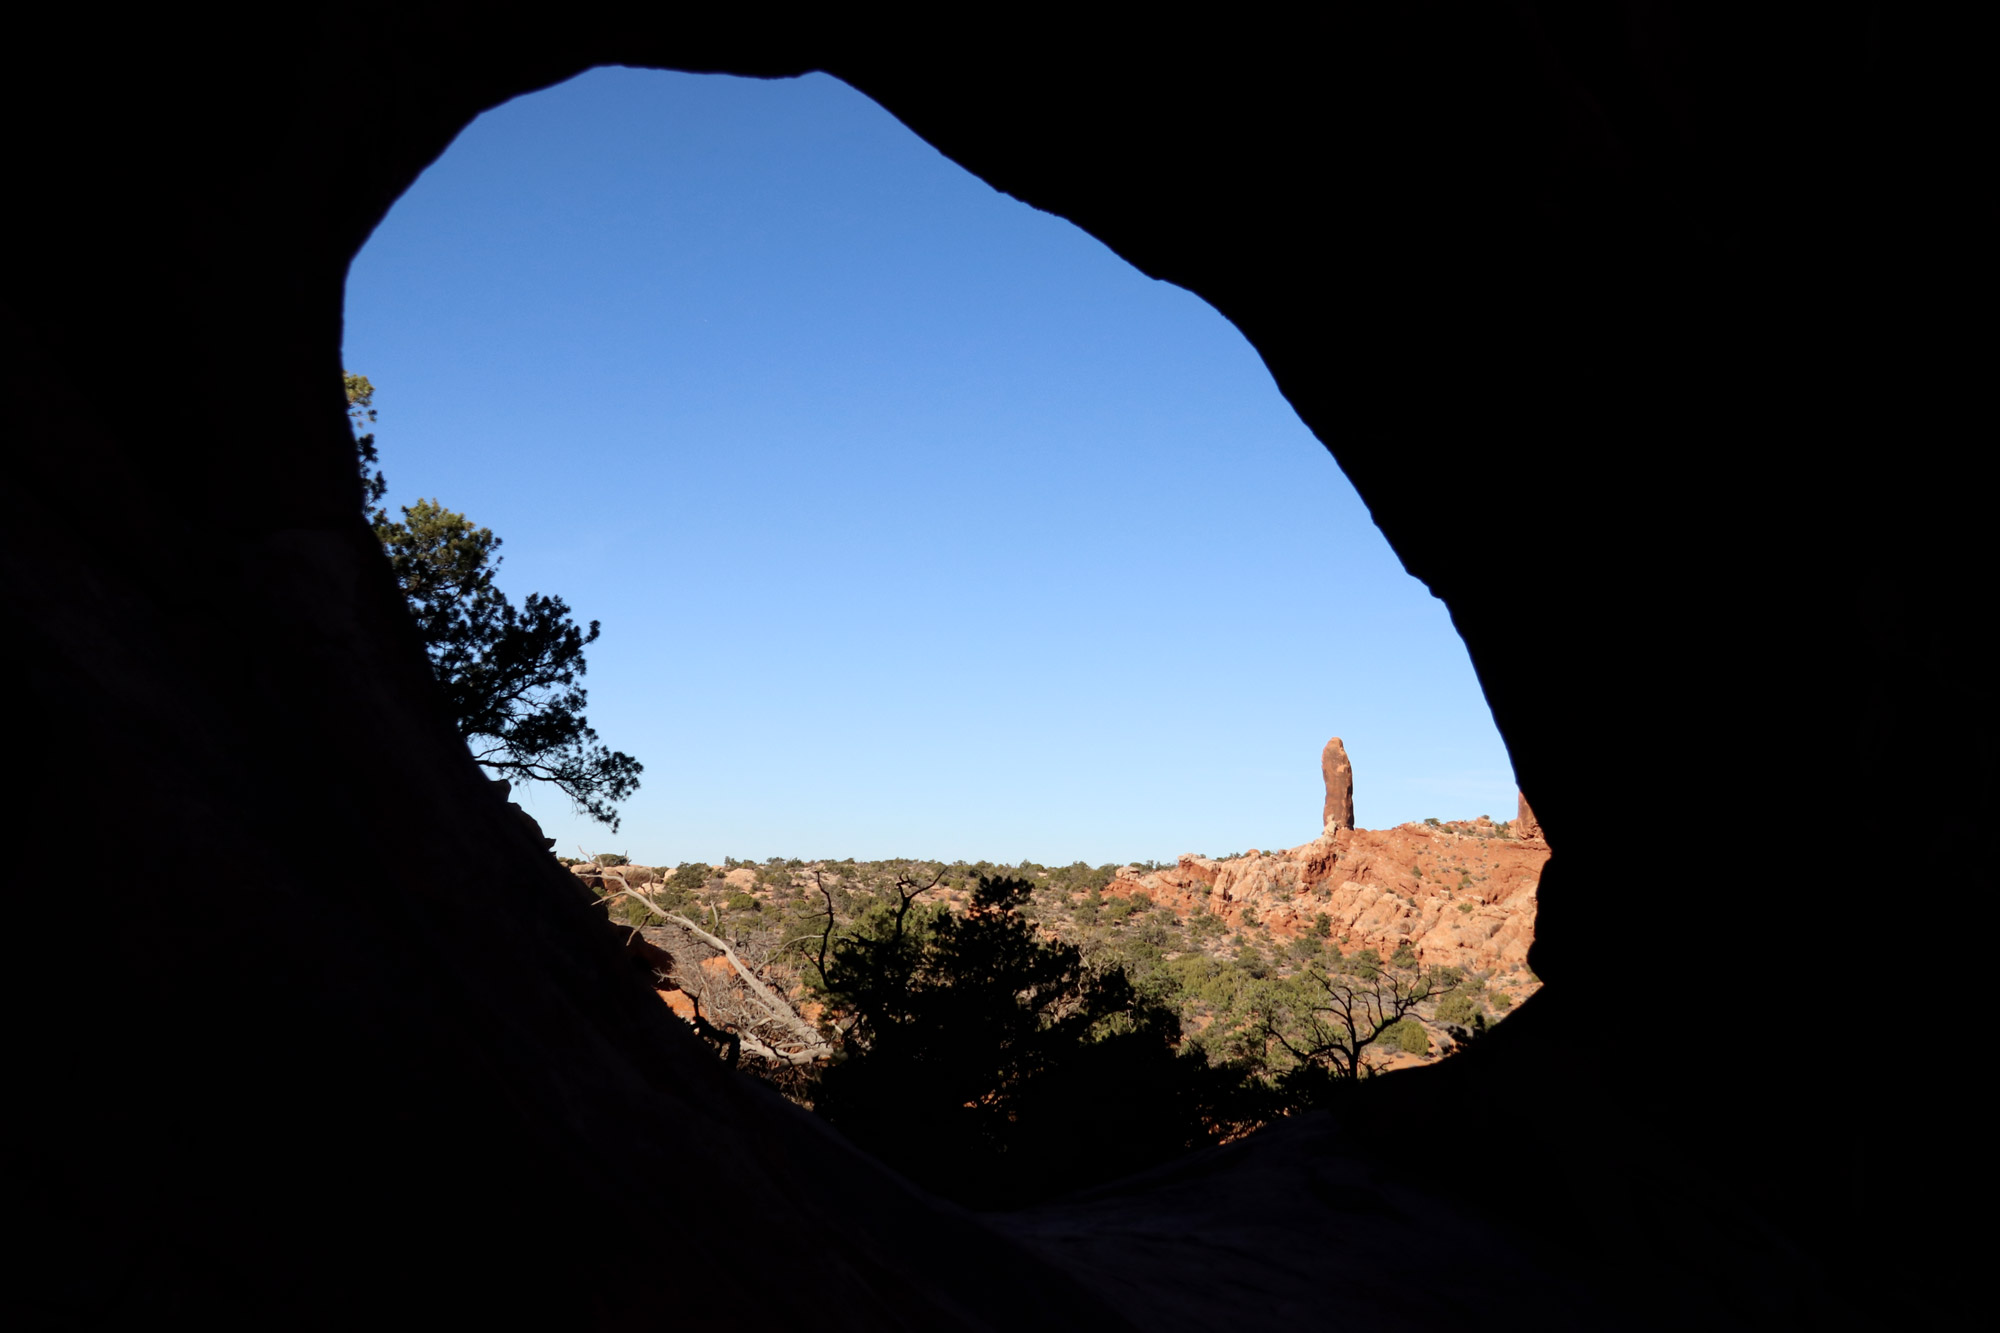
x,y
777,1011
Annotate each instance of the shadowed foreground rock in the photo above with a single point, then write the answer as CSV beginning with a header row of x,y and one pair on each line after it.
x,y
1638,327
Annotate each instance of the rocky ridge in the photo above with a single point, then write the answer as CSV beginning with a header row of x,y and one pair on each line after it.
x,y
1459,893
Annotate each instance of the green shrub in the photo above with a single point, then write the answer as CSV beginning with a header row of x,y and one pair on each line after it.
x,y
1457,1007
1322,925
742,902
610,859
1502,1000
1366,964
689,877
1411,1037
1465,907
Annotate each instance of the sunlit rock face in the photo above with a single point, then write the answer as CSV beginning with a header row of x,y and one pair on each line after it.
x,y
1643,336
1525,823
1459,897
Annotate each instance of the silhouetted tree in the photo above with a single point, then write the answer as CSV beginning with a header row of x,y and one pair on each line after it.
x,y
1328,1020
996,1067
509,673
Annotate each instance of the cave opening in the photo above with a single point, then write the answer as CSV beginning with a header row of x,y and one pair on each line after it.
x,y
919,522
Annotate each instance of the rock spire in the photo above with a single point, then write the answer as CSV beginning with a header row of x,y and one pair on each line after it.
x,y
1338,812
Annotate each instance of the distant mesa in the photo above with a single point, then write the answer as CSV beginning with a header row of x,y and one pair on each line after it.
x,y
1338,813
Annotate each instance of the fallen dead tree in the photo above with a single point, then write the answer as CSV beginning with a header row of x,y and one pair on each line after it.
x,y
762,1020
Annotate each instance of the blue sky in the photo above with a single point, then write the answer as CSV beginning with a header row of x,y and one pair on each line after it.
x,y
919,523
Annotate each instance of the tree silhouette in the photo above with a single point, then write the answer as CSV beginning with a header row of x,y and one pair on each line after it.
x,y
996,1067
509,674
1330,1020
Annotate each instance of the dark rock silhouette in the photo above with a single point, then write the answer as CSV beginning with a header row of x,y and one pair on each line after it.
x,y
1338,812
527,821
1706,277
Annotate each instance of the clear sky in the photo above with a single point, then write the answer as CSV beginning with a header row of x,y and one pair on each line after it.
x,y
919,523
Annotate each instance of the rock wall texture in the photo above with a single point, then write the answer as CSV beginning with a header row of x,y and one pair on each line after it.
x,y
1646,331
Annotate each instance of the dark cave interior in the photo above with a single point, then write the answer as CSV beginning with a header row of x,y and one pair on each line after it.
x,y
1710,282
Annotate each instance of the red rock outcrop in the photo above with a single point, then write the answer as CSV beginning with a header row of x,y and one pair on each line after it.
x,y
1458,894
1525,823
1338,812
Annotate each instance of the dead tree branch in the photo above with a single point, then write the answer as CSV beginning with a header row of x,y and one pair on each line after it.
x,y
777,1012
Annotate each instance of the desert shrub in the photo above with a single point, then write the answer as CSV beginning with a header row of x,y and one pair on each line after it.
x,y
1465,907
1410,1036
1457,1007
1119,908
1502,1000
689,877
1322,925
1365,963
1249,917
1077,877
610,859
742,902
1404,956
1251,958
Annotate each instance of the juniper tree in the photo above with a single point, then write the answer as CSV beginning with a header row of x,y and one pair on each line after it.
x,y
509,674
997,1067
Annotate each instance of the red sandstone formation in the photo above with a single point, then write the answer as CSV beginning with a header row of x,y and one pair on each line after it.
x,y
1525,823
1338,812
1460,894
